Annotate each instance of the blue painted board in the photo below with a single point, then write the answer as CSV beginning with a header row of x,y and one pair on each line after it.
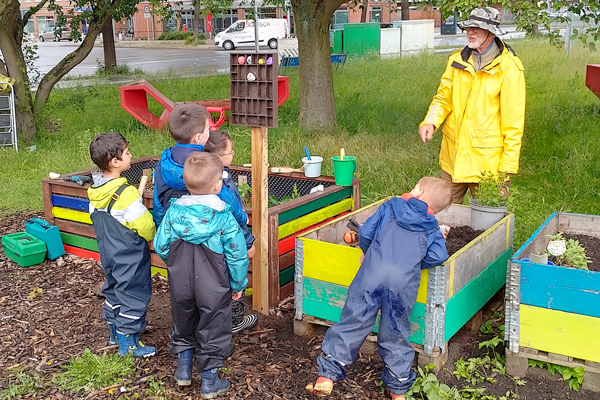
x,y
73,203
559,288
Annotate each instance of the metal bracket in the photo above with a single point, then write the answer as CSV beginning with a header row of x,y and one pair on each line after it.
x,y
298,278
435,310
512,306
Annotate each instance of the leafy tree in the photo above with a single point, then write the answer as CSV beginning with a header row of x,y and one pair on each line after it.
x,y
97,12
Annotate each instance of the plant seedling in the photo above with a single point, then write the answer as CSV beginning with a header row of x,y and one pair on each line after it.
x,y
492,190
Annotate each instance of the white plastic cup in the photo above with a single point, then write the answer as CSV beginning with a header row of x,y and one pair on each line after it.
x,y
312,167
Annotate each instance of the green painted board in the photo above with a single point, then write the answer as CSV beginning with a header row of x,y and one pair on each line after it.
x,y
473,296
287,275
79,241
321,202
326,300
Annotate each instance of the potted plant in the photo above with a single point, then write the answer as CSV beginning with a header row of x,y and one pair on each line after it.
x,y
490,202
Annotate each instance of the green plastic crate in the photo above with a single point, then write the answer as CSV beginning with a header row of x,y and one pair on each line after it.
x,y
24,248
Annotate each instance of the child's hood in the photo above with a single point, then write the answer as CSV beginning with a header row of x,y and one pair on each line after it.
x,y
412,214
197,218
171,164
101,191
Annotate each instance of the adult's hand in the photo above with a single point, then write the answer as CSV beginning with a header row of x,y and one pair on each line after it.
x,y
426,132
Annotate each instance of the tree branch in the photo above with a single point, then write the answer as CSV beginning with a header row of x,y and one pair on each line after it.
x,y
3,69
32,11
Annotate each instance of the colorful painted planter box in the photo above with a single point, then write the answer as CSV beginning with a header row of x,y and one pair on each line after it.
x,y
448,297
66,206
553,312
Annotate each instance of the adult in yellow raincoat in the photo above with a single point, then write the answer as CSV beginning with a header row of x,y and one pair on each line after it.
x,y
481,101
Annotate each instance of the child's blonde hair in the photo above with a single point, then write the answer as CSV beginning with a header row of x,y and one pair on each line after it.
x,y
201,171
436,193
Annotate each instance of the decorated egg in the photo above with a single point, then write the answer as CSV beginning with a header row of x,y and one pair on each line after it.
x,y
270,61
241,60
250,77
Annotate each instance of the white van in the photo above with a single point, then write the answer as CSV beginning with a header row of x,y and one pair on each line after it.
x,y
241,33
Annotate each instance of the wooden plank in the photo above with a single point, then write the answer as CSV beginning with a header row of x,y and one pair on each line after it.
x,y
326,300
71,202
336,195
538,241
571,335
82,252
473,296
68,189
47,196
478,254
559,288
455,215
286,275
286,290
273,261
339,264
156,261
79,241
356,193
260,221
314,217
288,243
579,224
71,215
75,228
157,270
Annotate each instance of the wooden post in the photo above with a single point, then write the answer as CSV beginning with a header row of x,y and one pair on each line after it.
x,y
260,220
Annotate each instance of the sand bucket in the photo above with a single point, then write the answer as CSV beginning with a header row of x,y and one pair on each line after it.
x,y
312,167
343,170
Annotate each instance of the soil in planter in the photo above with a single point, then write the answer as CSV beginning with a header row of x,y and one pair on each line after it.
x,y
592,249
459,237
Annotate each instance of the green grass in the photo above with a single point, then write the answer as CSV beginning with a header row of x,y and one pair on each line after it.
x,y
22,385
92,371
379,106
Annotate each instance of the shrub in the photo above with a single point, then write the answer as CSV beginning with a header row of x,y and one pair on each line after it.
x,y
177,35
492,190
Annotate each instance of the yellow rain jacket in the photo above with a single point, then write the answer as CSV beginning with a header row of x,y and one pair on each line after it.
x,y
128,209
484,114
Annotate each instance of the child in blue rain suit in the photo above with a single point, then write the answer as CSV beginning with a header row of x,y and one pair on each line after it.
x,y
398,241
206,257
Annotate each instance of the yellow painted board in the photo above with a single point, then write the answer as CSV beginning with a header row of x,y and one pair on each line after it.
x,y
560,332
315,217
336,263
71,215
158,270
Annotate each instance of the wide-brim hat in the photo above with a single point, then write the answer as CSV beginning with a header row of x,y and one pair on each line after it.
x,y
487,18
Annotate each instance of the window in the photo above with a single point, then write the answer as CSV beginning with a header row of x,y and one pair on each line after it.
x,y
375,14
223,21
340,16
29,28
44,24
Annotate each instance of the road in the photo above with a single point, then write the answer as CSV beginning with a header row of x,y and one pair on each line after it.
x,y
148,59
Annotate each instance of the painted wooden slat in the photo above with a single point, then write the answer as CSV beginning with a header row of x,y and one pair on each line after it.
x,y
79,241
314,217
559,288
82,252
304,209
326,300
71,202
339,264
71,215
288,243
473,296
559,332
538,240
158,270
287,275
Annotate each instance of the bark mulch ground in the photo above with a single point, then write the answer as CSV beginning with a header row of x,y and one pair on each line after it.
x,y
41,330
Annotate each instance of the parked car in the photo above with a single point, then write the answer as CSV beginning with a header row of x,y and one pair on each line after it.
x,y
241,33
50,33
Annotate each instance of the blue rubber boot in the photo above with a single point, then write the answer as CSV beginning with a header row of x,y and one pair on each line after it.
x,y
212,386
183,375
112,340
131,344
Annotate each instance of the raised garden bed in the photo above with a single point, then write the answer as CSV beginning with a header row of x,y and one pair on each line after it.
x,y
449,295
66,205
552,312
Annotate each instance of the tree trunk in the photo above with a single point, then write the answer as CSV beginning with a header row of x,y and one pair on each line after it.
x,y
405,10
11,35
196,19
365,8
317,105
108,42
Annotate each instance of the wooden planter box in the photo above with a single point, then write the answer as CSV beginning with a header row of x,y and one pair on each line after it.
x,y
66,206
552,312
448,297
